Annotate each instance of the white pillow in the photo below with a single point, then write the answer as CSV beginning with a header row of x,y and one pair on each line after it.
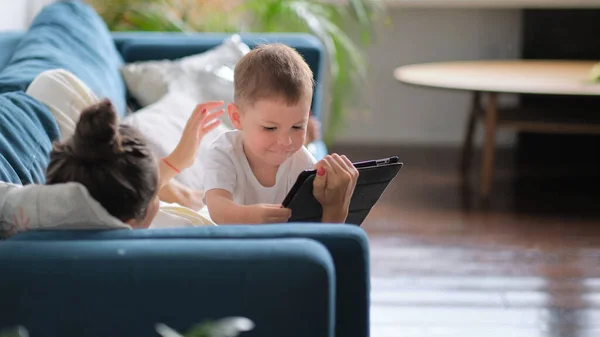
x,y
65,95
162,124
60,206
206,76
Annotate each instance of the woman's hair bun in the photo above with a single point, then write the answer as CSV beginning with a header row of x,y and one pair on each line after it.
x,y
97,133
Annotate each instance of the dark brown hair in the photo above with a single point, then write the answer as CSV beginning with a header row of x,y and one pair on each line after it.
x,y
272,71
112,161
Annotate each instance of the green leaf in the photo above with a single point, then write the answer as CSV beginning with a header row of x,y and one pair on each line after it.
x,y
18,331
595,73
360,12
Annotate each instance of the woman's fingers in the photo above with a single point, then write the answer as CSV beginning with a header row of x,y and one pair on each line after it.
x,y
335,167
353,171
199,113
213,115
211,126
208,105
211,121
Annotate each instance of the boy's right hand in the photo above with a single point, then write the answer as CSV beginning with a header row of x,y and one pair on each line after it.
x,y
269,213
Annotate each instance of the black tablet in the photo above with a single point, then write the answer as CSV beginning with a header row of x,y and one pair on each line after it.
x,y
374,177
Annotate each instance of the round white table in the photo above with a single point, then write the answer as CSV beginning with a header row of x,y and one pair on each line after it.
x,y
511,76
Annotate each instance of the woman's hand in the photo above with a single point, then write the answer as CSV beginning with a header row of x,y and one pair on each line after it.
x,y
198,125
333,186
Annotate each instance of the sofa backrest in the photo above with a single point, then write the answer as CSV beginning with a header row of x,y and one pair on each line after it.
x,y
125,287
347,244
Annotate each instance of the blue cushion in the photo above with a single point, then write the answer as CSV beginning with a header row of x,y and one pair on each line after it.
x,y
8,43
347,244
27,130
68,35
123,288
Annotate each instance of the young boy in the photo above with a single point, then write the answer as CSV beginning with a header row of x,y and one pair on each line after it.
x,y
249,171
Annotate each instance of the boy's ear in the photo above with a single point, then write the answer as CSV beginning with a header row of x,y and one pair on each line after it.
x,y
234,115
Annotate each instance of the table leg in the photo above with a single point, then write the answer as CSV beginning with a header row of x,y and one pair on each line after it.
x,y
470,131
487,161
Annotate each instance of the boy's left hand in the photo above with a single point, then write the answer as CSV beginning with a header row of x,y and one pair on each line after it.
x,y
198,125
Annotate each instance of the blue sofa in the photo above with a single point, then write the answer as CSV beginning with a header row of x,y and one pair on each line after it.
x,y
291,280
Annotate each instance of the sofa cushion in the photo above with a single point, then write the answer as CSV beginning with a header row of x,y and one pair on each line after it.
x,y
60,206
162,124
27,130
204,76
347,244
125,288
68,35
171,46
8,43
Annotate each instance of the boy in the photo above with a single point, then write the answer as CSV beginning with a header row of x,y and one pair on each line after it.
x,y
249,171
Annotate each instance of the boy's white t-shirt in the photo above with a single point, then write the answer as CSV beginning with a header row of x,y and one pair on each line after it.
x,y
226,167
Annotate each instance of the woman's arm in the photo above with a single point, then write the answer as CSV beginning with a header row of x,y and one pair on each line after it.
x,y
198,125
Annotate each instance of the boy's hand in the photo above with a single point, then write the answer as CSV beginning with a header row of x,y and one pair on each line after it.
x,y
198,125
334,185
268,213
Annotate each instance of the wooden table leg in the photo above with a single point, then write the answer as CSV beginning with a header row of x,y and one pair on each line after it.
x,y
489,144
467,148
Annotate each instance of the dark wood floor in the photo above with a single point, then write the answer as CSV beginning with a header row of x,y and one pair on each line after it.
x,y
524,264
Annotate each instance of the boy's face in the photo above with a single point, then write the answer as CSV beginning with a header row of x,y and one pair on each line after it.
x,y
272,130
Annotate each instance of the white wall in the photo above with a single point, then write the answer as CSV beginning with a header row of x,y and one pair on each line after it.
x,y
17,14
13,14
403,114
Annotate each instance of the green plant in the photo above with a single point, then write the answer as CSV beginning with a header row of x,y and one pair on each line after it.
x,y
18,331
225,327
345,28
595,73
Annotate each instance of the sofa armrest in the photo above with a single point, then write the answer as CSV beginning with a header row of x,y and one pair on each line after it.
x,y
144,46
125,287
347,244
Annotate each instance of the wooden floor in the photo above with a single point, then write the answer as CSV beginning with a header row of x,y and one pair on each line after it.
x,y
524,264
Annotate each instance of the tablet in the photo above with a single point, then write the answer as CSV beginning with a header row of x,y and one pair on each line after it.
x,y
373,179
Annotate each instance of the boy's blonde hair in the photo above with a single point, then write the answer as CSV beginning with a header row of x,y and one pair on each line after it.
x,y
272,71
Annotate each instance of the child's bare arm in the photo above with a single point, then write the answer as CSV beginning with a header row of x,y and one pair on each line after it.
x,y
223,210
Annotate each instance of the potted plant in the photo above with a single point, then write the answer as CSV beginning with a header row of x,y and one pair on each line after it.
x,y
345,28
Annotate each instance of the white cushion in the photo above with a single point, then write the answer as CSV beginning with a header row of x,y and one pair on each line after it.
x,y
65,95
61,206
162,124
206,76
